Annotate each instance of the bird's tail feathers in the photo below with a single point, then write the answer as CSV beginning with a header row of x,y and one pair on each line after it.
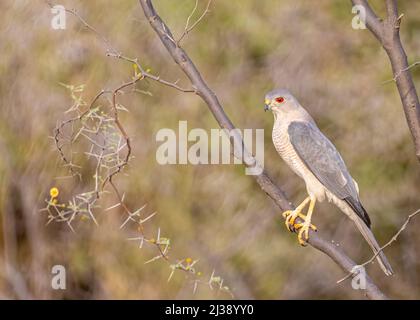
x,y
370,238
358,209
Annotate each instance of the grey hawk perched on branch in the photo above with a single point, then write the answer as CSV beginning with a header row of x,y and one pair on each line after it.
x,y
314,158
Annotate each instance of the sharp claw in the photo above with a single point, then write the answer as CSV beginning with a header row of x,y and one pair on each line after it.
x,y
288,215
301,237
297,226
302,241
292,220
285,214
303,234
288,224
303,228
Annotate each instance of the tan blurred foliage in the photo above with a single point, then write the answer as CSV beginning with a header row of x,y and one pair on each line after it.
x,y
211,213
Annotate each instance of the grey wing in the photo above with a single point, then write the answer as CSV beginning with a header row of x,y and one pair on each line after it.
x,y
324,161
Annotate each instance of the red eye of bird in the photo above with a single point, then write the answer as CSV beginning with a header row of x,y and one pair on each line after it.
x,y
280,99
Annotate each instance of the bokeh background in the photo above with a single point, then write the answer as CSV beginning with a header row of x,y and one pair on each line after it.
x,y
213,213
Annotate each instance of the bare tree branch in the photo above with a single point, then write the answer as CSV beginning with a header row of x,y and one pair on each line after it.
x,y
264,180
388,33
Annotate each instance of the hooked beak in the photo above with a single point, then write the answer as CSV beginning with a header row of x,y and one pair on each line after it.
x,y
267,104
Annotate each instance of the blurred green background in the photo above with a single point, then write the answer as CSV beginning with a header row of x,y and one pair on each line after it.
x,y
213,213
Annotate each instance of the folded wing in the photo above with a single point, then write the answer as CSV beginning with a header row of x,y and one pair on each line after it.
x,y
327,165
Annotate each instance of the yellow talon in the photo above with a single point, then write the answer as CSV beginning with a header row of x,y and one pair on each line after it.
x,y
303,234
297,226
301,227
286,213
302,241
290,219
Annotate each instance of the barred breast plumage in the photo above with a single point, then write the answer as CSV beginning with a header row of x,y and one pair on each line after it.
x,y
285,148
286,151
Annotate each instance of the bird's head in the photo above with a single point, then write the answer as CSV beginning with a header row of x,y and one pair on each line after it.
x,y
280,101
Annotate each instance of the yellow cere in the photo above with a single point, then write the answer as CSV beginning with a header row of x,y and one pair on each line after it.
x,y
267,101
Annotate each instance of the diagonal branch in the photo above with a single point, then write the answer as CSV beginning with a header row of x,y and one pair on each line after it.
x,y
388,34
264,180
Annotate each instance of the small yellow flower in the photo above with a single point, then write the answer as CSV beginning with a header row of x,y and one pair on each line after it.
x,y
188,260
198,273
54,192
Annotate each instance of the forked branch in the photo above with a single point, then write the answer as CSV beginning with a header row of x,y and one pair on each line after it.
x,y
264,180
387,31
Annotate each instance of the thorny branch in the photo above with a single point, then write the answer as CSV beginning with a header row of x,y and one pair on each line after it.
x,y
107,137
387,31
88,26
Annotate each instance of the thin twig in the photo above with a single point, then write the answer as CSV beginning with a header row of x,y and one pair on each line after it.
x,y
145,74
188,28
393,239
401,71
87,25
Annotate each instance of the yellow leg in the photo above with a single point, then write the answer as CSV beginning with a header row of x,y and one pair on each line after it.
x,y
303,234
291,215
